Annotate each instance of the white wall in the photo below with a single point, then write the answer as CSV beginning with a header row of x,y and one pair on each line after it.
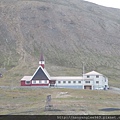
x,y
96,82
99,81
67,82
40,81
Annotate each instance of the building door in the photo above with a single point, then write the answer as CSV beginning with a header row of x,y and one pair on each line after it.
x,y
52,83
88,87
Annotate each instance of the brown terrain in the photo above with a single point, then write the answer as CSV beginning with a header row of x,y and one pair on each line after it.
x,y
68,32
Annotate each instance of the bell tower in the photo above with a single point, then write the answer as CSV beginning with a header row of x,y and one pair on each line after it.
x,y
42,61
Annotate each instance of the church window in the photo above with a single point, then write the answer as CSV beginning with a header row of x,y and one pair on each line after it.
x,y
69,81
64,81
27,82
74,81
79,81
34,81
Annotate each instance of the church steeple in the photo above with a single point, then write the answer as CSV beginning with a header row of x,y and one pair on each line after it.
x,y
42,61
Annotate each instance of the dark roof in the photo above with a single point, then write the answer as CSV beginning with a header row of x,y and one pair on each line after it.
x,y
40,75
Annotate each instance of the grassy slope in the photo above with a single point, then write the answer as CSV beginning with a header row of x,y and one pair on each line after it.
x,y
69,32
31,101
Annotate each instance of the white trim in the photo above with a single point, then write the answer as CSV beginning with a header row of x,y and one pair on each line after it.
x,y
44,70
41,62
93,73
67,78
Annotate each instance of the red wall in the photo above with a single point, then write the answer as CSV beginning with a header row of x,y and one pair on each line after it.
x,y
43,66
52,81
39,84
23,84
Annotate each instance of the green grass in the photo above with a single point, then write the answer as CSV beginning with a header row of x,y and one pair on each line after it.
x,y
31,101
13,76
65,49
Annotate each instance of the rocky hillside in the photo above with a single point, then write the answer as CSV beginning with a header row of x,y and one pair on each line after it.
x,y
68,31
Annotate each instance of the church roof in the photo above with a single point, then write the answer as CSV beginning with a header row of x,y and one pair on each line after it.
x,y
40,74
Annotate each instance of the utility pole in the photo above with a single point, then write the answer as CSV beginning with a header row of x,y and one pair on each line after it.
x,y
83,70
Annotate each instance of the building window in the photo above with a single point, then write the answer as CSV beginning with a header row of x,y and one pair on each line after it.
x,y
97,82
97,76
59,82
79,81
88,76
64,81
27,82
74,81
37,81
87,81
43,81
34,82
69,81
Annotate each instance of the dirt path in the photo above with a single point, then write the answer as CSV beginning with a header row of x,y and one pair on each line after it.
x,y
114,90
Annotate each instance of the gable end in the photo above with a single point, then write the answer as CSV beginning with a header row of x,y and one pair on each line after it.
x,y
40,74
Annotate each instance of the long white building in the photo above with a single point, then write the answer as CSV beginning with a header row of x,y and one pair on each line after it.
x,y
92,80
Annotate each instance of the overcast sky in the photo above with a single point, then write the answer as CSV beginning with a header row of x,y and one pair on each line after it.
x,y
108,3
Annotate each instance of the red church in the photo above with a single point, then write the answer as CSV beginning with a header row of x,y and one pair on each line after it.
x,y
92,80
39,78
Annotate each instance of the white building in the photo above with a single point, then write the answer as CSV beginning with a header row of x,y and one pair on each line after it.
x,y
92,80
95,80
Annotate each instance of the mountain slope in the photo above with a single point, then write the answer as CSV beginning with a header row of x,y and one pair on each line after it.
x,y
69,32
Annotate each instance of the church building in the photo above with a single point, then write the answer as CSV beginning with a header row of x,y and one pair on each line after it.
x,y
92,80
